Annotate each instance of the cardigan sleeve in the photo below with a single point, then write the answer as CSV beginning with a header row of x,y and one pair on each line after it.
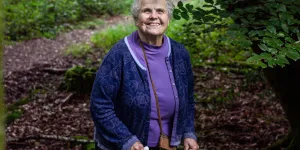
x,y
104,91
189,129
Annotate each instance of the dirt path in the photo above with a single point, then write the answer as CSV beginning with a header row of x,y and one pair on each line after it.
x,y
25,55
48,112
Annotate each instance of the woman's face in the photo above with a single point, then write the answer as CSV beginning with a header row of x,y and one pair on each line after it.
x,y
153,17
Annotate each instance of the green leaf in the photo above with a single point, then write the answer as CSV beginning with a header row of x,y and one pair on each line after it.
x,y
285,27
183,9
251,17
180,4
293,54
273,12
281,60
273,42
266,56
176,11
207,6
252,33
271,63
286,16
176,17
209,1
197,23
256,60
294,9
272,50
294,29
272,29
263,47
244,21
280,34
189,7
289,39
245,43
261,64
261,33
297,46
281,7
208,18
185,16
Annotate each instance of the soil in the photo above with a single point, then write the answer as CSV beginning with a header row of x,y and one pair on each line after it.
x,y
241,114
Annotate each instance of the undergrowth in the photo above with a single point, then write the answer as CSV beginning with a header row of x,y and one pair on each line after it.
x,y
27,19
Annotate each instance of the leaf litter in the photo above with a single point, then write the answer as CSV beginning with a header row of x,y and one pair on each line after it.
x,y
232,112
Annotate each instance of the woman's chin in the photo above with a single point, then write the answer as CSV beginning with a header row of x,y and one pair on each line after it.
x,y
154,33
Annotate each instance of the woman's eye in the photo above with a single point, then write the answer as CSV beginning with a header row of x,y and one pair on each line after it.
x,y
160,11
147,11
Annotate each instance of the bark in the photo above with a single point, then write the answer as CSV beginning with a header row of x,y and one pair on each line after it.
x,y
285,82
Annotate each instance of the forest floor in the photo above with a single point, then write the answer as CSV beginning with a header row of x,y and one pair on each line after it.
x,y
236,112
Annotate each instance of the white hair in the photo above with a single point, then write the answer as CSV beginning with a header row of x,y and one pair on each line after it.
x,y
136,6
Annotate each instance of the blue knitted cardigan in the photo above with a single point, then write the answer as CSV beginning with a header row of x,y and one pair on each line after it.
x,y
120,99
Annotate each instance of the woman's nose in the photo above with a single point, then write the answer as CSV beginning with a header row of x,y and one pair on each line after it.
x,y
154,14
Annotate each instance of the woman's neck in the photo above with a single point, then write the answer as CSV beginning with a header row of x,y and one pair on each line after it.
x,y
152,40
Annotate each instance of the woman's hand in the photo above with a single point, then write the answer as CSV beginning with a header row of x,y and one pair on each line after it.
x,y
137,146
190,144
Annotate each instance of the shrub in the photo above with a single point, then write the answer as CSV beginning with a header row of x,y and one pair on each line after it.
x,y
205,47
107,38
79,50
36,18
79,79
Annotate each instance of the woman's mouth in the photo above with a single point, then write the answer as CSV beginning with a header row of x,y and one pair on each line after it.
x,y
153,24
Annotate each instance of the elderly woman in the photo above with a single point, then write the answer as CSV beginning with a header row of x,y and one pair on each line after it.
x,y
143,91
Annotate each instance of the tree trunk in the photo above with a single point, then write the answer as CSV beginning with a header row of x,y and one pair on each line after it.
x,y
286,85
285,82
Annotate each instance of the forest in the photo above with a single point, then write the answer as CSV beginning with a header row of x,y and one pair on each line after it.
x,y
245,57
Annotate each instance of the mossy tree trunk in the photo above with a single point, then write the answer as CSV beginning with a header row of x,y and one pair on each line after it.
x,y
285,82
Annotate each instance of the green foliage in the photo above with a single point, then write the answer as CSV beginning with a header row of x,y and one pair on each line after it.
x,y
81,137
14,112
205,47
79,50
90,146
79,79
273,25
11,116
107,38
19,103
88,24
36,18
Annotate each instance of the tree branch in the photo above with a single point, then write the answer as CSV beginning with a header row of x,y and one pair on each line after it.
x,y
50,137
54,70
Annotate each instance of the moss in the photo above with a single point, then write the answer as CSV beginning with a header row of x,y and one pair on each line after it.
x,y
12,116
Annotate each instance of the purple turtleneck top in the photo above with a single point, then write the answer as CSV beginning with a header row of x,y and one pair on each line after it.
x,y
162,81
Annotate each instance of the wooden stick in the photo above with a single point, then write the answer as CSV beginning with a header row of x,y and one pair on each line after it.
x,y
50,137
